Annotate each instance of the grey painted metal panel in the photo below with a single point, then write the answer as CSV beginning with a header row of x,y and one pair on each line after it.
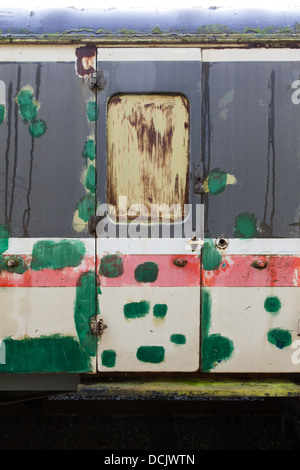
x,y
40,182
251,131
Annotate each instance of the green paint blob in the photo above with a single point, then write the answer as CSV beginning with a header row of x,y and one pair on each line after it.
x,y
53,353
111,266
90,179
2,113
86,309
50,254
245,226
108,358
272,304
89,150
146,272
92,111
215,349
152,354
37,128
217,181
86,207
4,237
28,106
160,310
279,337
178,339
136,309
211,258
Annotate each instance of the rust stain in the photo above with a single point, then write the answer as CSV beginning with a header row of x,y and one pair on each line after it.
x,y
86,60
148,153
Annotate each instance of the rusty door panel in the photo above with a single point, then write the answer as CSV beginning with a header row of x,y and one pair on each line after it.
x,y
148,152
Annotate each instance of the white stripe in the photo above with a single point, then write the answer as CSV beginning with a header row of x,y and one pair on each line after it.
x,y
37,53
260,246
148,54
247,55
146,246
254,246
24,246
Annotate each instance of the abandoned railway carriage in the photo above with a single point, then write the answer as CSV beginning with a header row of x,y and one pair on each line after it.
x,y
150,201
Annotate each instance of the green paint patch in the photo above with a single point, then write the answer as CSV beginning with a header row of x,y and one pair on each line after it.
x,y
28,109
90,179
50,254
272,304
28,105
160,310
37,128
86,207
215,349
53,353
211,258
108,358
178,339
279,337
2,112
85,309
89,150
92,111
136,309
146,272
217,181
111,266
152,354
245,226
4,237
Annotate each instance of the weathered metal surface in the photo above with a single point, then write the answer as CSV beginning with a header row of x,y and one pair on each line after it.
x,y
148,156
199,24
194,387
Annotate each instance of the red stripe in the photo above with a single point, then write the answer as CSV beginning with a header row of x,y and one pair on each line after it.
x,y
234,271
239,271
168,273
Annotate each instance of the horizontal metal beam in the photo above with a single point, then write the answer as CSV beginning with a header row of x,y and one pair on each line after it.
x,y
227,388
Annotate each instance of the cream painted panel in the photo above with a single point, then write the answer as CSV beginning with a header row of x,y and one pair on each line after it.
x,y
124,336
34,312
239,314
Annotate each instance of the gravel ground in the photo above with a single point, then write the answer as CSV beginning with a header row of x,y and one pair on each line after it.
x,y
144,431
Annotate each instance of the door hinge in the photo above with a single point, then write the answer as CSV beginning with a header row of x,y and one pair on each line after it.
x,y
97,326
92,224
198,178
96,80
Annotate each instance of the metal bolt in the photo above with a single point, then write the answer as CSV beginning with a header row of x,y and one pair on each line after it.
x,y
180,262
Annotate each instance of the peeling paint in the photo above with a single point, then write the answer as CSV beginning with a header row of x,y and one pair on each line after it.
x,y
217,181
86,60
